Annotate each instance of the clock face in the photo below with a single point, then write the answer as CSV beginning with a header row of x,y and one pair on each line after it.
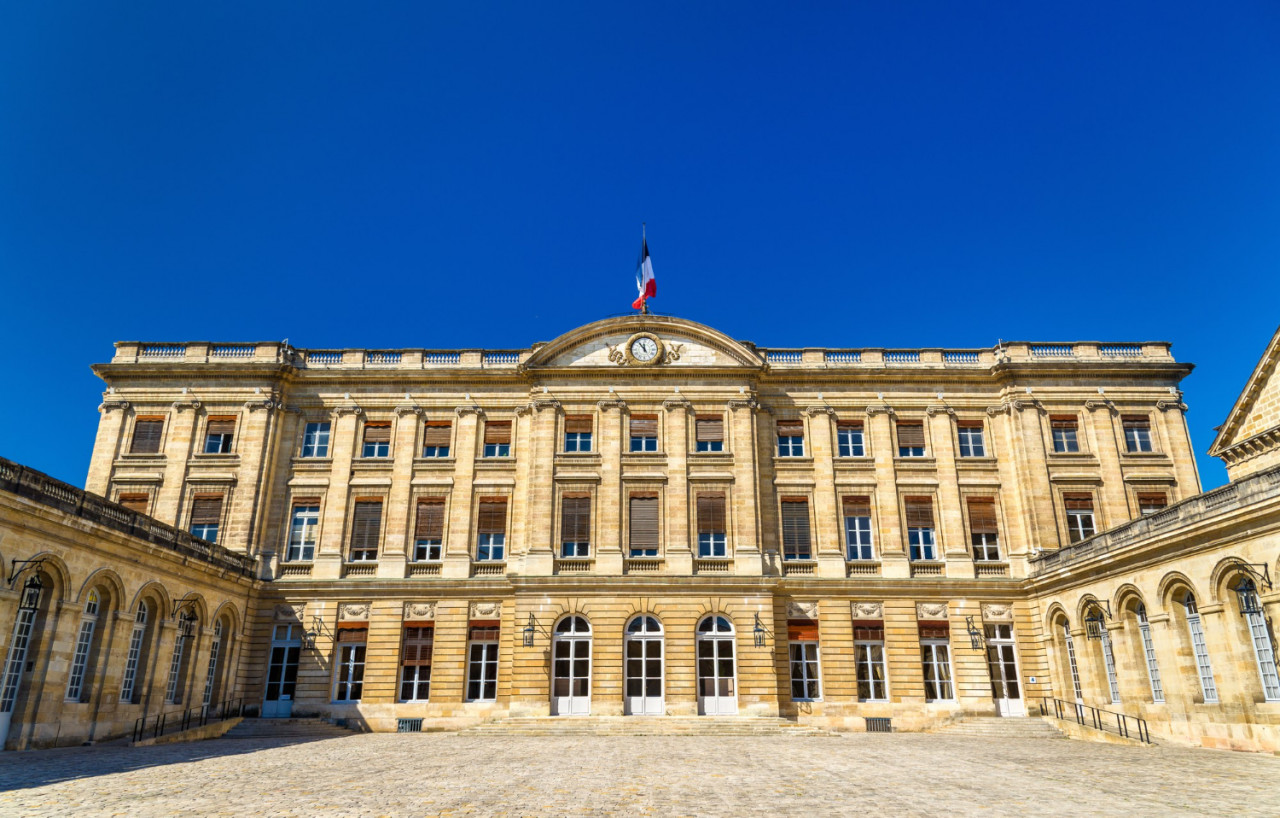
x,y
644,349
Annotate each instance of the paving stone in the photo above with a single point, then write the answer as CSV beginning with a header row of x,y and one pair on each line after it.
x,y
380,774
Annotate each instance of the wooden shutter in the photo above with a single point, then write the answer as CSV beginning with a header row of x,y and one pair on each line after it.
x,y
919,511
493,516
791,428
795,523
365,525
871,630
709,429
802,630
577,424
575,518
982,515
377,432
221,425
497,432
856,506
1144,500
644,521
136,502
436,433
1136,422
1063,421
418,642
483,630
146,435
644,426
711,517
911,434
430,519
1078,502
969,424
206,509
937,629
848,424
353,634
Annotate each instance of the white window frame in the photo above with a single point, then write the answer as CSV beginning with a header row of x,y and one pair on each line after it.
x,y
1070,439
922,545
479,667
1262,650
850,441
349,660
708,446
1140,442
130,677
713,545
172,695
1075,524
858,542
1071,659
791,446
577,442
1149,653
492,542
315,442
865,658
1204,669
211,673
805,664
1109,663
84,644
987,544
929,657
976,443
297,547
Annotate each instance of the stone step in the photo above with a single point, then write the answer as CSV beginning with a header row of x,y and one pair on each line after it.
x,y
988,727
643,726
286,728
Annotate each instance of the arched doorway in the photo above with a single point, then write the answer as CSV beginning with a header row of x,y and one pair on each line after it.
x,y
717,670
644,655
571,668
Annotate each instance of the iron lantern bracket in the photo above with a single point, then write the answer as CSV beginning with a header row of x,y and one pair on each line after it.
x,y
1100,612
15,571
758,631
530,631
1260,572
977,638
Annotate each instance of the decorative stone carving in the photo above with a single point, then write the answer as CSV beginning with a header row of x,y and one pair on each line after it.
x,y
290,613
419,611
187,403
1166,405
339,411
469,410
874,410
486,610
934,410
802,610
931,610
674,351
744,403
354,612
812,411
1100,404
108,405
616,355
1001,409
408,409
611,403
997,612
677,402
868,610
268,403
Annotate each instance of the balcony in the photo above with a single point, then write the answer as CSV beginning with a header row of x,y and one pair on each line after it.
x,y
294,569
921,568
359,569
488,569
862,568
573,565
799,568
643,565
423,569
990,569
713,565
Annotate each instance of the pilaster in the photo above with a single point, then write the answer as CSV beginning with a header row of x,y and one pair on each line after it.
x,y
342,440
459,540
177,450
827,545
889,536
745,510
395,544
679,556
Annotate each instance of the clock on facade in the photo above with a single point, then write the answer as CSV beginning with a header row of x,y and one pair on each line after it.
x,y
644,348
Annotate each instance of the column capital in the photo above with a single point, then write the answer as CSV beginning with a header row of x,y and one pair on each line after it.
x,y
813,411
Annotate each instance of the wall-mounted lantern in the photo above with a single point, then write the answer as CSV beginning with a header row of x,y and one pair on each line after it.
x,y
1096,619
758,632
977,638
530,631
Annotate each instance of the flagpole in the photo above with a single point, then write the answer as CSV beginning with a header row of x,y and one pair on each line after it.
x,y
644,306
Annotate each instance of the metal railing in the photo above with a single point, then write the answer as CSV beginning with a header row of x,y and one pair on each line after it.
x,y
178,720
1098,719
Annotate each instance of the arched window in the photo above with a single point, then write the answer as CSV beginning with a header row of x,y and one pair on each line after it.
x,y
1251,609
177,682
1071,660
215,648
717,668
135,661
76,687
644,666
1199,648
715,625
573,625
1149,653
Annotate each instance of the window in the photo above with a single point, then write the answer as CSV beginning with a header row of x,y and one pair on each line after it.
x,y
709,433
482,662
1064,428
849,442
1200,649
910,438
795,529
644,525
972,443
218,434
84,645
315,439
349,673
211,672
920,528
935,659
377,439
857,528
146,435
366,525
711,526
868,651
577,433
206,511
802,639
134,659
135,502
492,528
1079,508
173,687
643,431
1151,503
1070,643
575,525
1262,651
982,529
303,531
1137,433
1109,661
790,438
435,438
497,438
1149,652
415,663
428,535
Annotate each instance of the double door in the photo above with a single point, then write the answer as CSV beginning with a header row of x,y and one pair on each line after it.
x,y
1002,667
717,689
644,677
282,671
571,668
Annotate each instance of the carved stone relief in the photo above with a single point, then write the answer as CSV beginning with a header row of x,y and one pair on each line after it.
x,y
802,610
486,610
290,613
997,612
419,611
931,610
868,610
354,612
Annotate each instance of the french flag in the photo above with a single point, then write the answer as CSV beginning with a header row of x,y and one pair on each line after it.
x,y
645,282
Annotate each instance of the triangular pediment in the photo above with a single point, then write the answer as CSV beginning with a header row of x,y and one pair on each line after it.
x,y
1255,417
682,343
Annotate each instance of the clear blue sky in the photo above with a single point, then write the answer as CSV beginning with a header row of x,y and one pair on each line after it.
x,y
464,174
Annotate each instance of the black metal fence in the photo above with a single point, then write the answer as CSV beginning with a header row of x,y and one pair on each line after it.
x,y
43,489
176,721
1104,720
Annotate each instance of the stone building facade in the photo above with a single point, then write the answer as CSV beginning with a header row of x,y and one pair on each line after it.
x,y
647,517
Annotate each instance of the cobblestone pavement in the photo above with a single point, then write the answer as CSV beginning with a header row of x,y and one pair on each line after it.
x,y
446,774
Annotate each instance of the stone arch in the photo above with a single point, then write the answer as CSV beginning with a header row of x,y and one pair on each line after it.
x,y
1054,615
194,601
227,612
104,577
1224,575
1174,583
1127,597
54,569
1086,602
740,354
157,591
